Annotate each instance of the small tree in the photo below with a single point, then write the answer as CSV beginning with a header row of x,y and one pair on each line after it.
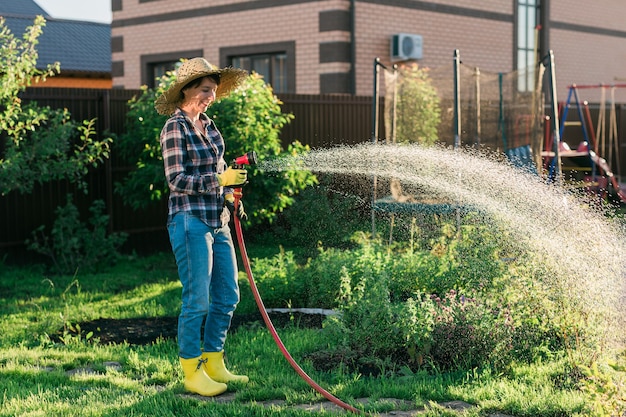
x,y
250,119
418,111
38,144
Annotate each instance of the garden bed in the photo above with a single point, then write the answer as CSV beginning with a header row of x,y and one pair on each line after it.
x,y
146,330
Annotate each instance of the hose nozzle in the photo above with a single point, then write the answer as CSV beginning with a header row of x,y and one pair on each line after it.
x,y
247,159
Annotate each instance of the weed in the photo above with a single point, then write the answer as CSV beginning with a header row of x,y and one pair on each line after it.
x,y
73,335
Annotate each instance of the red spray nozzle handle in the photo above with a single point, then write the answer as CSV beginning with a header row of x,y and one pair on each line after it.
x,y
247,159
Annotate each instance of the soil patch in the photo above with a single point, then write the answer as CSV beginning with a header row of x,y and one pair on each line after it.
x,y
143,331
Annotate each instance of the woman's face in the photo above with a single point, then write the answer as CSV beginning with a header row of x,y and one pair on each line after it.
x,y
198,98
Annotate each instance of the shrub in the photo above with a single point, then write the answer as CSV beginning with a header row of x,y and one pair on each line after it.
x,y
320,279
469,259
73,245
395,311
469,334
321,216
452,307
453,333
275,279
377,327
38,144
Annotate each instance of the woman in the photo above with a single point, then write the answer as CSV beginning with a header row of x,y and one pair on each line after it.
x,y
199,181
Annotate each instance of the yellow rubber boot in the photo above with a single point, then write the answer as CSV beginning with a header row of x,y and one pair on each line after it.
x,y
196,379
216,369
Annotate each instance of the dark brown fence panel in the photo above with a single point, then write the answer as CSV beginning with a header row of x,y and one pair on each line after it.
x,y
107,106
327,120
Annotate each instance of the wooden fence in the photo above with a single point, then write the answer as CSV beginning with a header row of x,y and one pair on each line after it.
x,y
320,121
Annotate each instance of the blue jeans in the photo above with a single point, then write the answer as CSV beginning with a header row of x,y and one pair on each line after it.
x,y
207,268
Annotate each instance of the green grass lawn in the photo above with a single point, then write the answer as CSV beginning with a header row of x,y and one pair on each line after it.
x,y
50,367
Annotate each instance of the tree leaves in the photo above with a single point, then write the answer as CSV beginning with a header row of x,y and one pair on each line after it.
x,y
38,144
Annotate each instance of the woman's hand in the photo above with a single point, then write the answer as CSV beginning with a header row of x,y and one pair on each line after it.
x,y
232,177
230,203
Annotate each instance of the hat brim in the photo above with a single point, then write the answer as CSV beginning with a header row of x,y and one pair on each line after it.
x,y
230,79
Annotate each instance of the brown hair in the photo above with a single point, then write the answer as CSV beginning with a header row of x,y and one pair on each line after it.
x,y
194,83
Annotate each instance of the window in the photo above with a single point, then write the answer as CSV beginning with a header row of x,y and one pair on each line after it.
x,y
158,69
155,66
273,68
276,62
528,19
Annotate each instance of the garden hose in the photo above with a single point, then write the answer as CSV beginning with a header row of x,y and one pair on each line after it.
x,y
268,322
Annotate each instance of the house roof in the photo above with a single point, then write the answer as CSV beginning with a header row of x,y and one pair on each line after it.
x,y
21,8
80,47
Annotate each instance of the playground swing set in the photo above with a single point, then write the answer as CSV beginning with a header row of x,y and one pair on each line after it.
x,y
547,154
583,165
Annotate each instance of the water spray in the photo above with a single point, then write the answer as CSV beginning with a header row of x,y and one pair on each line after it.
x,y
250,158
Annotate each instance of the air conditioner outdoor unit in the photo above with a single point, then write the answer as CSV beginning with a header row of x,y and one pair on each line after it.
x,y
405,46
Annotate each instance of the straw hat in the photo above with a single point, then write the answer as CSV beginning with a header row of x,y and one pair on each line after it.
x,y
230,78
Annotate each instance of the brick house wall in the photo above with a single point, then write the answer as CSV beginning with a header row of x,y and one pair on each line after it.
x,y
589,39
491,51
297,23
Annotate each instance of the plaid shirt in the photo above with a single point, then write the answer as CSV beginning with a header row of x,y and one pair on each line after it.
x,y
191,163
